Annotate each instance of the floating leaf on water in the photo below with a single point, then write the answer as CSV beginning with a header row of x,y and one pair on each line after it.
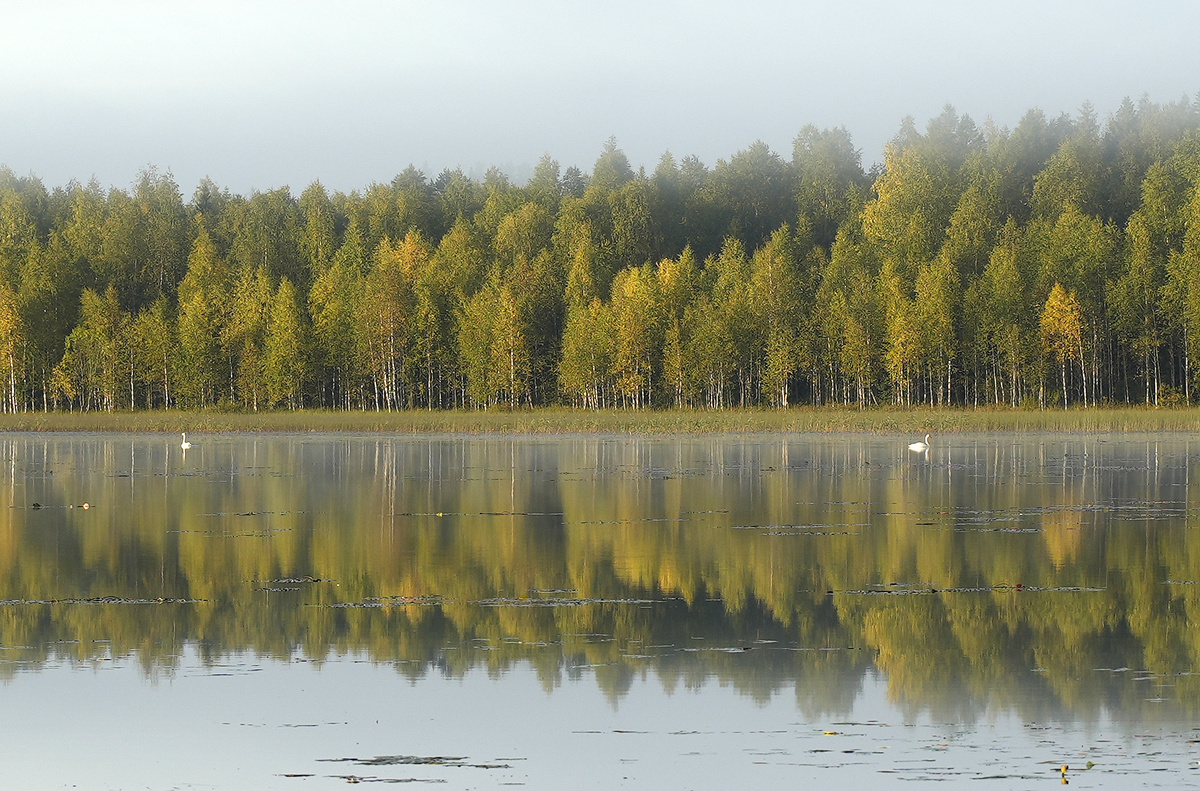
x,y
304,580
556,602
101,600
456,761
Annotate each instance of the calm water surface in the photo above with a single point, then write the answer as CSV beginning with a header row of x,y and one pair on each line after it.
x,y
297,612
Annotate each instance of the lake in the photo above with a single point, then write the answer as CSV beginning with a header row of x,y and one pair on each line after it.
x,y
302,611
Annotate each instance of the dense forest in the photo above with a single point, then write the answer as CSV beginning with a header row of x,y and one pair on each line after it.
x,y
1054,263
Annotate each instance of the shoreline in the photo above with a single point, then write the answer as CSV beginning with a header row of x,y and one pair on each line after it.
x,y
562,421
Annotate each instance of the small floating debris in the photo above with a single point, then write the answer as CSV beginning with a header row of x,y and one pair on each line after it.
x,y
555,602
926,589
303,580
267,533
896,592
457,761
251,513
99,600
999,530
358,779
802,530
736,649
407,760
393,601
480,513
647,520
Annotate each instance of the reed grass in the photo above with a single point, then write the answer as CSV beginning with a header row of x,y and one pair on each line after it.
x,y
551,421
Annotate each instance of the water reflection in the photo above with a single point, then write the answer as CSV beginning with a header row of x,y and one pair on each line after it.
x,y
1050,577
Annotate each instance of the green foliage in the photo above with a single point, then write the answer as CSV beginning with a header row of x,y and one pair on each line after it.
x,y
203,312
285,353
336,304
586,371
96,371
244,335
760,281
636,317
829,180
155,350
12,346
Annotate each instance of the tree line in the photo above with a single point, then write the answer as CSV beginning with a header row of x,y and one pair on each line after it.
x,y
1054,263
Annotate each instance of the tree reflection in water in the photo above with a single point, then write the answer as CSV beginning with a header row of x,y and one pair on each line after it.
x,y
1052,576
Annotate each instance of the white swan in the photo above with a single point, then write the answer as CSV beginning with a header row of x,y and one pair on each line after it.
x,y
920,447
185,445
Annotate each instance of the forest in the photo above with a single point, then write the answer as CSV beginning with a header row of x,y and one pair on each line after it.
x,y
1056,263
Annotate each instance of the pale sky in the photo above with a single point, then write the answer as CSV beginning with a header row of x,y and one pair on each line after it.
x,y
258,95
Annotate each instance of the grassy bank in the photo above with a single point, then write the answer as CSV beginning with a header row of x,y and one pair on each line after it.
x,y
570,421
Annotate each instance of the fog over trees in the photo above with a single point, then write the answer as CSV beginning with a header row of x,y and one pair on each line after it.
x,y
1055,263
